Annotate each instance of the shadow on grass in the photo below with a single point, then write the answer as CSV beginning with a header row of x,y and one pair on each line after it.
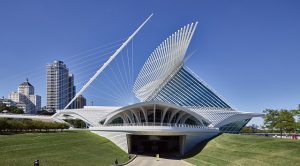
x,y
198,148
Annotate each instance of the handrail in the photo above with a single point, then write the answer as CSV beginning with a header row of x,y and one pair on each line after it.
x,y
157,124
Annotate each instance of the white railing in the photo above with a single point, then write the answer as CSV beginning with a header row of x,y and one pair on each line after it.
x,y
158,124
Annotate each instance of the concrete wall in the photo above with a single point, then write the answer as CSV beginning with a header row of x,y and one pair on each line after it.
x,y
118,138
190,139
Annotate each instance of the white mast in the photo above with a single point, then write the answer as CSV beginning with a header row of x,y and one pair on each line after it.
x,y
107,62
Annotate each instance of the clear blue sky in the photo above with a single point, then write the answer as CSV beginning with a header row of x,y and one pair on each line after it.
x,y
248,51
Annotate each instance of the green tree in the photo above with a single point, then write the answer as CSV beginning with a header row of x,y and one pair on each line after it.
x,y
285,122
297,128
16,110
45,112
3,107
3,124
76,123
63,126
271,118
247,130
295,112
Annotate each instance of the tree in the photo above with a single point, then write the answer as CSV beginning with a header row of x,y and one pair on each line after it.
x,y
3,124
15,110
295,112
76,123
285,122
3,107
46,112
247,130
64,126
270,119
282,120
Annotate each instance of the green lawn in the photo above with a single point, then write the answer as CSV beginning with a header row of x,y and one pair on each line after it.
x,y
61,148
242,150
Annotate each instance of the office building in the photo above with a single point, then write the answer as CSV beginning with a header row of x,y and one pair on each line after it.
x,y
80,101
26,99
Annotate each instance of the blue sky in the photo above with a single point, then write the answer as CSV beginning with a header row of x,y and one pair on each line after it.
x,y
248,51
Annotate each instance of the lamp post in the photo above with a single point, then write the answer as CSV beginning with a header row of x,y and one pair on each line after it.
x,y
36,163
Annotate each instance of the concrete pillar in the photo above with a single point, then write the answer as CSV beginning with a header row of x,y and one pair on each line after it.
x,y
182,144
128,136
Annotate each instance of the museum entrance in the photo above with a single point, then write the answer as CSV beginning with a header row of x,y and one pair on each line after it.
x,y
153,144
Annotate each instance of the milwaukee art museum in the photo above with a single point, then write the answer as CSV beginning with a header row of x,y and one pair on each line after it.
x,y
176,112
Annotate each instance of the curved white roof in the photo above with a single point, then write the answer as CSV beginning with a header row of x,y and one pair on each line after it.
x,y
166,58
222,116
153,105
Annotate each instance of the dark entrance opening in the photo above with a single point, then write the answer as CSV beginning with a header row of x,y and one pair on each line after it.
x,y
153,144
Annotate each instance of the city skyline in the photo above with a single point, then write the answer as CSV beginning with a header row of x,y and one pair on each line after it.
x,y
248,58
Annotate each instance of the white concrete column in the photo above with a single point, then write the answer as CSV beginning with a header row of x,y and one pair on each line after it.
x,y
163,116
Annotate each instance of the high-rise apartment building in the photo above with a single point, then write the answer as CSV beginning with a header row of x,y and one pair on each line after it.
x,y
60,86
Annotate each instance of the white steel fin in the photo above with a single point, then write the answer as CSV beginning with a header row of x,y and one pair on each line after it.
x,y
163,61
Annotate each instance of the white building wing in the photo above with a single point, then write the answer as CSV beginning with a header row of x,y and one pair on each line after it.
x,y
167,57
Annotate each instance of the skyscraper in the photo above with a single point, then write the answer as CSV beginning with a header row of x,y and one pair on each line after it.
x,y
60,85
71,90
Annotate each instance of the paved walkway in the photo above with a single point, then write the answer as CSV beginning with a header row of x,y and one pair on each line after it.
x,y
151,161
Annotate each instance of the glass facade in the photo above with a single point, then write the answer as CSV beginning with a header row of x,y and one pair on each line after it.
x,y
234,127
186,90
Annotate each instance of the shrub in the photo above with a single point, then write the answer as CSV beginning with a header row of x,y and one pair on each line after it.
x,y
16,125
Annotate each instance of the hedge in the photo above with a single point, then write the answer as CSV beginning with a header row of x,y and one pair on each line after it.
x,y
20,125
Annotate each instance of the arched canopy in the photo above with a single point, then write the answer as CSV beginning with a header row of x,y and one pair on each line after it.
x,y
154,113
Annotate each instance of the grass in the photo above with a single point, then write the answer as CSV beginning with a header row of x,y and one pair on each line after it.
x,y
61,148
242,150
85,148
